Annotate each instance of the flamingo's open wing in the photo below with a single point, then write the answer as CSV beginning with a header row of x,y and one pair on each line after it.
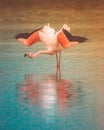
x,y
26,35
66,39
22,35
73,38
29,38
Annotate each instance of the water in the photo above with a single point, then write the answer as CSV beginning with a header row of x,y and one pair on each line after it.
x,y
33,95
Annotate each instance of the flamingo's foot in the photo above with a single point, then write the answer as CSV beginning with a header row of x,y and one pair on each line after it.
x,y
28,54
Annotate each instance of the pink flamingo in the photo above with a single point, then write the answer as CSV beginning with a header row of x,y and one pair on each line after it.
x,y
54,42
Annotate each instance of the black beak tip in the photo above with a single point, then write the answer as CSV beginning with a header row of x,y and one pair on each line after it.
x,y
25,55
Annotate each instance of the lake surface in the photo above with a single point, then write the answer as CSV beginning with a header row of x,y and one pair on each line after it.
x,y
33,94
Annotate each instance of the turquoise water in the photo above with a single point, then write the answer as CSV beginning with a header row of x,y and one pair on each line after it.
x,y
33,94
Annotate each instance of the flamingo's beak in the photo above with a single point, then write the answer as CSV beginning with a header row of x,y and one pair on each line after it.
x,y
25,55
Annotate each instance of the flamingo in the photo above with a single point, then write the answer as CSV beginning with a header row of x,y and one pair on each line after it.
x,y
54,42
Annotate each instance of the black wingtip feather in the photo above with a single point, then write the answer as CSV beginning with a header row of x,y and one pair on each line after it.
x,y
22,35
26,35
74,38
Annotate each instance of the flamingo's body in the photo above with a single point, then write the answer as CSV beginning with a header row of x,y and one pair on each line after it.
x,y
54,42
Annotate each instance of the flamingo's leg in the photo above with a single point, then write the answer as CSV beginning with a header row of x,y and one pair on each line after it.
x,y
58,59
31,55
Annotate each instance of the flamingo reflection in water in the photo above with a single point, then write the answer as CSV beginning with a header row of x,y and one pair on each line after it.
x,y
54,42
50,94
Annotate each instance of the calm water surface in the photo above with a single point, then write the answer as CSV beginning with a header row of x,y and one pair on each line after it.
x,y
35,96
